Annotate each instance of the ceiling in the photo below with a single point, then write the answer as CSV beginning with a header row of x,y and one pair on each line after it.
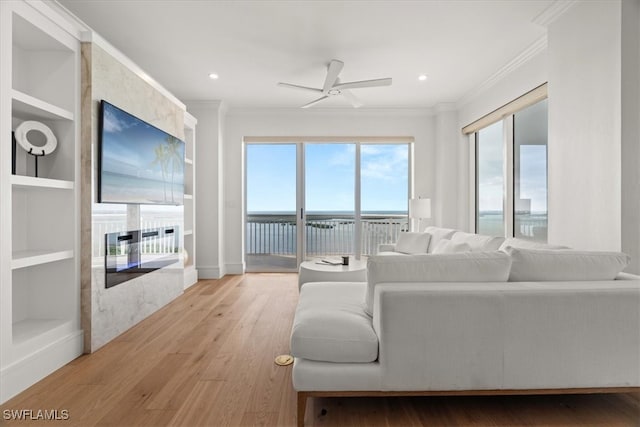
x,y
253,45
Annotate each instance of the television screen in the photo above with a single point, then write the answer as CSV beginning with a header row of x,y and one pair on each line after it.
x,y
138,162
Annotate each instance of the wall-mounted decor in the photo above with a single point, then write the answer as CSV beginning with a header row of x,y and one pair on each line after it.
x,y
37,150
138,162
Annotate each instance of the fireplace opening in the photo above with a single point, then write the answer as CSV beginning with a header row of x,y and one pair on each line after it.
x,y
130,254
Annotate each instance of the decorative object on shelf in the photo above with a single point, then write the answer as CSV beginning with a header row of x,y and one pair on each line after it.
x,y
420,209
13,153
49,146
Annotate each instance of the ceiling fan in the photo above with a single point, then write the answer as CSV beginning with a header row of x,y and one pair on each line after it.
x,y
333,87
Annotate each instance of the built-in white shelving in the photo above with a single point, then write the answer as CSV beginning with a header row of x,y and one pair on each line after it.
x,y
21,181
40,232
22,259
189,234
30,108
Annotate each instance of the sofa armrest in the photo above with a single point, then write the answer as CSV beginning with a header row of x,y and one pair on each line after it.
x,y
386,247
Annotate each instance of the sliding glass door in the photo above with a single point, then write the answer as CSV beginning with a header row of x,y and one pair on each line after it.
x,y
511,175
313,200
330,185
384,194
490,185
530,172
271,235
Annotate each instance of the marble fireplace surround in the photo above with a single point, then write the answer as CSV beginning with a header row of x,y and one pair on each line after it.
x,y
106,313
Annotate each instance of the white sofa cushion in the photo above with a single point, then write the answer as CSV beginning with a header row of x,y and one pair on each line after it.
x,y
543,265
446,246
413,243
478,242
460,267
330,324
438,233
515,242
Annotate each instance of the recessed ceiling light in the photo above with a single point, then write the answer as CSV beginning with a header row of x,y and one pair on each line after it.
x,y
213,76
422,77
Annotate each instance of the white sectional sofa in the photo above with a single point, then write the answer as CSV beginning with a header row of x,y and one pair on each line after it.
x,y
521,320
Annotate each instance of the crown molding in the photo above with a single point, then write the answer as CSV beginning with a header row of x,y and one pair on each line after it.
x,y
525,56
59,14
553,12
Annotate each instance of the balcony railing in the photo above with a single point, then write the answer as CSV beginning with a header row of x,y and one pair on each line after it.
x,y
330,234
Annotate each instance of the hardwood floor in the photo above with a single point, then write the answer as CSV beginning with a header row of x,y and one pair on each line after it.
x,y
206,359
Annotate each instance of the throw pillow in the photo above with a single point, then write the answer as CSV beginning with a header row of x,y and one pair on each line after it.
x,y
543,265
413,243
478,242
438,233
461,267
514,242
446,246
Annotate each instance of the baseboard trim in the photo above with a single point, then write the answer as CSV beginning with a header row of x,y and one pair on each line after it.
x,y
27,371
234,268
209,272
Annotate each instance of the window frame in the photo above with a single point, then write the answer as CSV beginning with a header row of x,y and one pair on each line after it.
x,y
506,114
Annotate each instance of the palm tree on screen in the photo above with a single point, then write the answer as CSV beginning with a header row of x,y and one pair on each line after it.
x,y
162,159
174,158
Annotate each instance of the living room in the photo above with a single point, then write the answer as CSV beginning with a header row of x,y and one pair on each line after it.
x,y
61,59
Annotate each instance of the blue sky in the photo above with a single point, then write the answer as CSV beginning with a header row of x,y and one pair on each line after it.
x,y
329,177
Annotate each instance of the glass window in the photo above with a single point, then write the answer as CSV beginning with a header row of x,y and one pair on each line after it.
x,y
530,172
384,174
490,180
525,214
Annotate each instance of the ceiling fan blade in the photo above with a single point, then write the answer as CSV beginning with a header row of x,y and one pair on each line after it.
x,y
300,87
363,83
315,102
352,98
335,67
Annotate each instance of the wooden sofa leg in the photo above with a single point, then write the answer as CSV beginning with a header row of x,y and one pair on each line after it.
x,y
302,407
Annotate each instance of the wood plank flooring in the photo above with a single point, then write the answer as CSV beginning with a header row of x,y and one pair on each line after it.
x,y
206,359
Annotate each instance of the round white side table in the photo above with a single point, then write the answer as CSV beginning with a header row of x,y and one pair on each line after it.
x,y
315,271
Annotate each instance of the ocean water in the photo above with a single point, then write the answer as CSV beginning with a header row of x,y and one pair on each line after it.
x,y
530,226
126,189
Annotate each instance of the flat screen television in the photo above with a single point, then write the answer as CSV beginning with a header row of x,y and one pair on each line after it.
x,y
138,163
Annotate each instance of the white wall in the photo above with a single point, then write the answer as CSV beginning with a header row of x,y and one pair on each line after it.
x,y
239,124
208,195
631,132
447,145
584,57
